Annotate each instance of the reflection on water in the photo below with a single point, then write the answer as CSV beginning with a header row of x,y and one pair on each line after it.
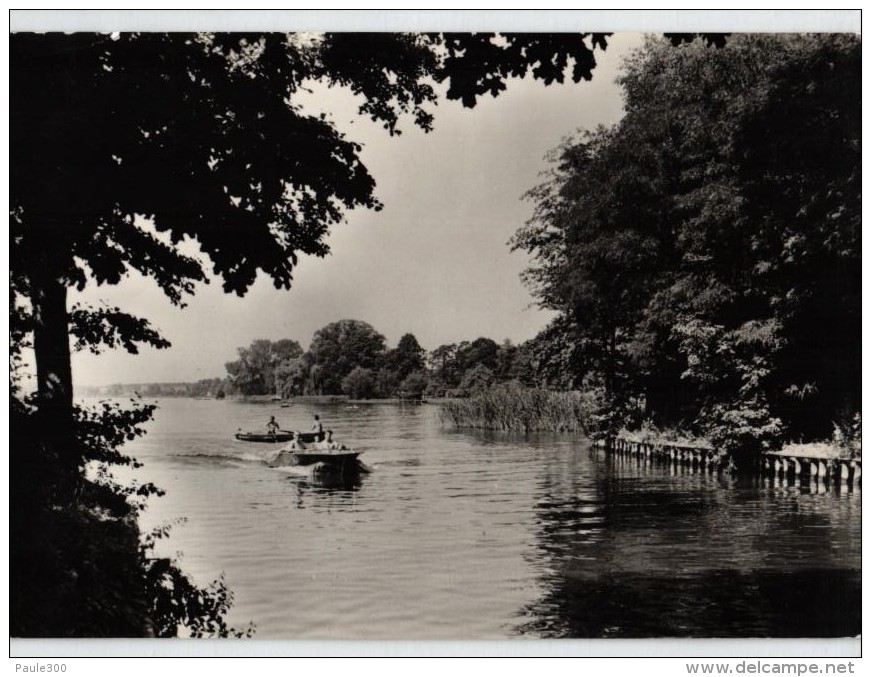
x,y
629,549
461,535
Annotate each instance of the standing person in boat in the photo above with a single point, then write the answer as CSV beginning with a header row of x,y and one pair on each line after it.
x,y
318,429
272,426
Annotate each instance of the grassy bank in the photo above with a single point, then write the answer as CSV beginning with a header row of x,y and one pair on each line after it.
x,y
512,407
821,450
652,435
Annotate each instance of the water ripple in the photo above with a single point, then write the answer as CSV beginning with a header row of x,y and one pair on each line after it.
x,y
458,535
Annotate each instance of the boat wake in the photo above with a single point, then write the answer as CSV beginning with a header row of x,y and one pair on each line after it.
x,y
294,470
226,457
238,458
398,463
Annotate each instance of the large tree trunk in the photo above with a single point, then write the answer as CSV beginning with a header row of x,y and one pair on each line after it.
x,y
51,346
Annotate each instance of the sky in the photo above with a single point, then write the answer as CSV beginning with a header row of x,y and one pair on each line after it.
x,y
434,262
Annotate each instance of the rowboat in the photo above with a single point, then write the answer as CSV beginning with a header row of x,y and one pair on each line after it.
x,y
279,436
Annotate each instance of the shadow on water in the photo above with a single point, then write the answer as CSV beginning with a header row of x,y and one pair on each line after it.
x,y
713,603
630,551
348,481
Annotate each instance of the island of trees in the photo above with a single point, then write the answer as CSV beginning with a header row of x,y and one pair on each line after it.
x,y
351,358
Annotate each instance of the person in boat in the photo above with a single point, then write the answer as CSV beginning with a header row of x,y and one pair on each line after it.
x,y
272,426
329,445
318,429
288,450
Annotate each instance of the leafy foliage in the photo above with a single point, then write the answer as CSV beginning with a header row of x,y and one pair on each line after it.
x,y
477,378
479,63
702,253
352,354
228,164
406,358
264,367
414,385
97,328
77,566
178,604
360,384
847,436
340,347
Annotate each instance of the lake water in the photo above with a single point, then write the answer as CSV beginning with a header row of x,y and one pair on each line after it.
x,y
469,535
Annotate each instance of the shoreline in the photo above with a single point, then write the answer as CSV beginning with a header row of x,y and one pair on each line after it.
x,y
788,463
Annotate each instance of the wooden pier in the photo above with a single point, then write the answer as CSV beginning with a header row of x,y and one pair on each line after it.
x,y
776,465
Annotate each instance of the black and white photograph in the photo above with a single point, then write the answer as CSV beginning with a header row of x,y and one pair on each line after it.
x,y
399,330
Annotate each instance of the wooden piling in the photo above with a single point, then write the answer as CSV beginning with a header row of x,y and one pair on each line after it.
x,y
782,469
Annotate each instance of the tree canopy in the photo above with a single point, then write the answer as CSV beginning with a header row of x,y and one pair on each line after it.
x,y
406,358
264,366
201,135
704,252
340,347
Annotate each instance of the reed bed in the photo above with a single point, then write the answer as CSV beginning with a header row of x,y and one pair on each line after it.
x,y
515,408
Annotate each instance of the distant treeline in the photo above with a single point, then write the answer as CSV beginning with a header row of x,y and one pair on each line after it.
x,y
350,357
208,387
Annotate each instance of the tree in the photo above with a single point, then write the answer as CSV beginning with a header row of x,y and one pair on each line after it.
x,y
718,219
386,382
414,385
250,373
505,360
478,377
290,375
286,350
126,146
340,347
406,358
359,384
801,175
482,351
264,366
443,364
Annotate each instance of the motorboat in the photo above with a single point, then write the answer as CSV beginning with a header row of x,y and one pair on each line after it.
x,y
331,457
321,457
